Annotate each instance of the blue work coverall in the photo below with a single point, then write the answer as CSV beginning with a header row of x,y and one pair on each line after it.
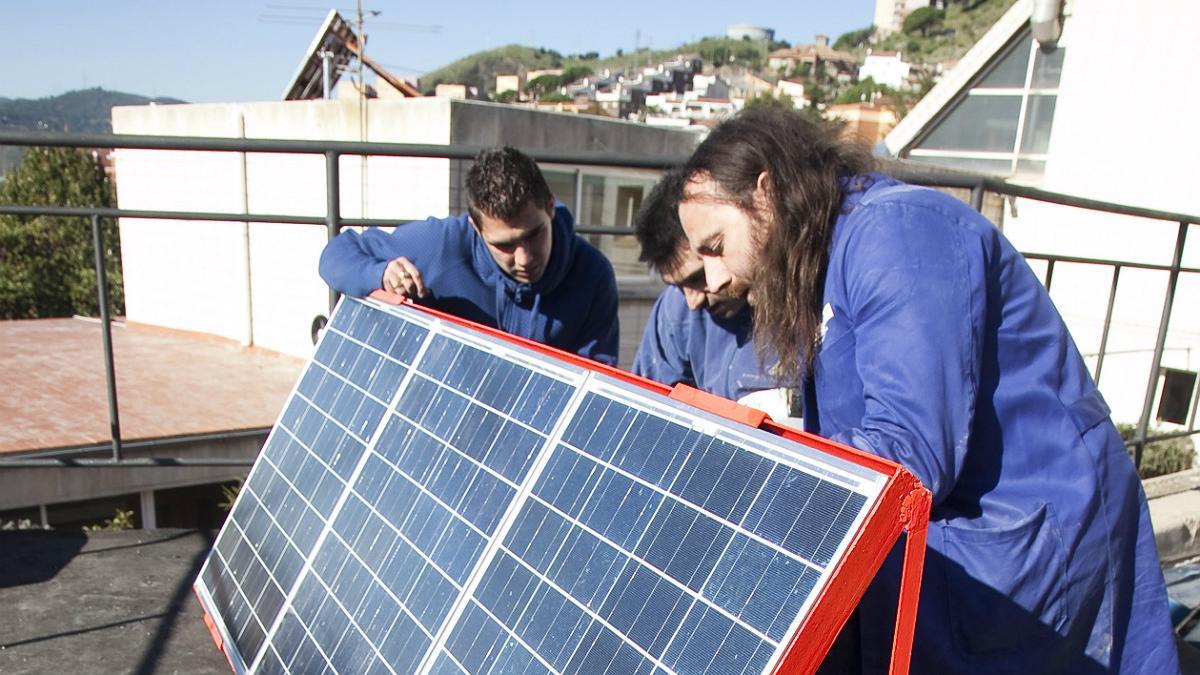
x,y
573,306
710,353
942,351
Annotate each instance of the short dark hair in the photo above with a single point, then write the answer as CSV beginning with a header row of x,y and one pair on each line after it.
x,y
502,181
657,225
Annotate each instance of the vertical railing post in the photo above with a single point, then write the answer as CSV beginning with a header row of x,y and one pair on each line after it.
x,y
1112,297
1049,273
114,421
977,197
333,206
1159,345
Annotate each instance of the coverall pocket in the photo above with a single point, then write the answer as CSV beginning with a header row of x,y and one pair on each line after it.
x,y
1006,584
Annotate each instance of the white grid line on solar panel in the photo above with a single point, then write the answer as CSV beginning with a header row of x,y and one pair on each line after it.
x,y
353,307
303,498
349,382
238,585
329,417
588,611
331,595
207,600
476,402
234,637
252,480
520,355
819,584
858,480
368,347
399,533
446,444
506,522
287,537
514,636
842,539
849,475
424,490
289,601
311,453
630,555
699,509
455,661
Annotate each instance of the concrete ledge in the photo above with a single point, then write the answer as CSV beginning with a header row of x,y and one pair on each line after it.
x,y
1174,502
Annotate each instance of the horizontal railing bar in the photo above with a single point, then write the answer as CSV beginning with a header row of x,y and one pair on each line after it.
x,y
74,451
265,145
1102,261
84,212
587,158
1164,437
134,463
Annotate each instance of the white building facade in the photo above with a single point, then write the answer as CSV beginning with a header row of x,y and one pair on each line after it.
x,y
1047,114
257,283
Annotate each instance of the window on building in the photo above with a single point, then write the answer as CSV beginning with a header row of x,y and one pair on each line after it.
x,y
1178,389
1001,123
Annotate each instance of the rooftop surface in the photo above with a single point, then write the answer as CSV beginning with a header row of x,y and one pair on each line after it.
x,y
104,602
168,384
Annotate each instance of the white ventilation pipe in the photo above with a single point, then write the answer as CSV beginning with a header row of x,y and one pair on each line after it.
x,y
1045,21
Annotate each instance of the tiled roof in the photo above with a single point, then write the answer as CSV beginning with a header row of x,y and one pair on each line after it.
x,y
168,384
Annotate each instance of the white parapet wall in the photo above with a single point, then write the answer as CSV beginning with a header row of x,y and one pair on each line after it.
x,y
258,283
1123,132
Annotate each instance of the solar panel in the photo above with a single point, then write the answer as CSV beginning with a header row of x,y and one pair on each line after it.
x,y
439,499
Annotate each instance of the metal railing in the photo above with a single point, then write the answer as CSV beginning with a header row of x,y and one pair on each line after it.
x,y
333,222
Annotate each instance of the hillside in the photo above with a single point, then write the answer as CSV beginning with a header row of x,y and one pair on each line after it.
x,y
82,111
480,69
962,24
961,27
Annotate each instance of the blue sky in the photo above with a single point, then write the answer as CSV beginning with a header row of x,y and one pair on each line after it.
x,y
221,50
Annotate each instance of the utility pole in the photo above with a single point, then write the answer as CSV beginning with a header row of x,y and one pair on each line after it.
x,y
637,54
362,110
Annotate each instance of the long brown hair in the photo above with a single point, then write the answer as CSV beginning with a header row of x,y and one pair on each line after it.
x,y
809,173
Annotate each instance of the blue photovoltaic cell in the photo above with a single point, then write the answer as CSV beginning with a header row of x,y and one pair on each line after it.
x,y
429,502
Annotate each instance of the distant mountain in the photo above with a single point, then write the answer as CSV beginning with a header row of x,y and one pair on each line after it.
x,y
82,111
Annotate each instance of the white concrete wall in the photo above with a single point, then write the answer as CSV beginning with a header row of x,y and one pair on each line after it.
x,y
213,278
186,275
1123,132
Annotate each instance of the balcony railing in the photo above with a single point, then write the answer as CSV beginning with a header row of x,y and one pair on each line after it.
x,y
333,222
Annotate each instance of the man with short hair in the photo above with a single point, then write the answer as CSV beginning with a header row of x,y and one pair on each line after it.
x,y
514,263
692,336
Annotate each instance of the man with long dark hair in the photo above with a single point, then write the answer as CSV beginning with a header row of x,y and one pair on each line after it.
x,y
691,336
512,262
924,337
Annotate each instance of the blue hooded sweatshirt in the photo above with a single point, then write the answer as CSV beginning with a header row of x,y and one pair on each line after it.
x,y
942,351
573,306
710,353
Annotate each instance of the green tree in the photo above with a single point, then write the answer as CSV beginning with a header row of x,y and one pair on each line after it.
x,y
542,85
864,90
574,74
922,20
854,39
506,96
770,100
47,262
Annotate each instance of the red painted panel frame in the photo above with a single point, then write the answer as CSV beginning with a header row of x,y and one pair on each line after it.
x,y
903,506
